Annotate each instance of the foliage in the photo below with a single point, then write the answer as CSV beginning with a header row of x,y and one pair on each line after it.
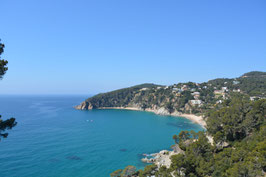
x,y
254,74
177,97
118,98
163,172
9,123
175,137
128,171
116,173
5,125
239,122
3,63
246,156
252,83
148,171
236,124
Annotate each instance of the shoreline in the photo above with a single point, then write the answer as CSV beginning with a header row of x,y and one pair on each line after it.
x,y
192,117
196,119
163,158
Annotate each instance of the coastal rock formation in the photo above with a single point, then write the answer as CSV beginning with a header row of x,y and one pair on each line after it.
x,y
163,158
84,106
161,111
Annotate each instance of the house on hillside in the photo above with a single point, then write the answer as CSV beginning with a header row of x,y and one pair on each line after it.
x,y
195,102
143,89
235,82
236,90
193,90
219,102
196,95
184,88
166,87
177,90
219,93
225,89
254,98
177,94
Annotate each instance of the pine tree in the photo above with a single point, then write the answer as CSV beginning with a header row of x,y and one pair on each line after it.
x,y
9,123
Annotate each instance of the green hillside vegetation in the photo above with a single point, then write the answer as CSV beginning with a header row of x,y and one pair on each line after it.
x,y
117,98
241,124
234,110
254,74
190,97
9,123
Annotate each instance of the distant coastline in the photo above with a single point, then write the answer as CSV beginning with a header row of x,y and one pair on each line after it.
x,y
194,118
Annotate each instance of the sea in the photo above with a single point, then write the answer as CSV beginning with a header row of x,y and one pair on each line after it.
x,y
52,139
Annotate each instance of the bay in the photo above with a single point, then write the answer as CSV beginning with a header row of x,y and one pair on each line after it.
x,y
52,139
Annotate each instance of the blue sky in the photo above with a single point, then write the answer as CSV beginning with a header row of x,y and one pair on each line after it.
x,y
86,47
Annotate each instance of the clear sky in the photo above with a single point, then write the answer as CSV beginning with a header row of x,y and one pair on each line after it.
x,y
86,47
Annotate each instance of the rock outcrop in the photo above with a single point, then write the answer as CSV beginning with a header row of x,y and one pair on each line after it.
x,y
163,158
84,106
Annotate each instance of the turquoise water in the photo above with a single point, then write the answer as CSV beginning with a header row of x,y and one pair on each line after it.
x,y
54,140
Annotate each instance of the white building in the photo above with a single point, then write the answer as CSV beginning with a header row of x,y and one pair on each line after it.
x,y
193,90
224,89
195,102
219,101
236,90
143,89
195,93
236,82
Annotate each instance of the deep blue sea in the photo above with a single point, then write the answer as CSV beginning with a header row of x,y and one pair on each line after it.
x,y
52,139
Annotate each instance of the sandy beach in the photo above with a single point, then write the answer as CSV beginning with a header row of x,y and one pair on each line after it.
x,y
197,119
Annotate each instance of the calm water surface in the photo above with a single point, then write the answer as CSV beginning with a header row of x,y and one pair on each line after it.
x,y
54,140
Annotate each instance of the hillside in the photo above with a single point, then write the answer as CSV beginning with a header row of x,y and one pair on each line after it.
x,y
238,150
256,74
190,97
233,145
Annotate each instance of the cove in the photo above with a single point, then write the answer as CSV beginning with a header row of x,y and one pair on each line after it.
x,y
53,139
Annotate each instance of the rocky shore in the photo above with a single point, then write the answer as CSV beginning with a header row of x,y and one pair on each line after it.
x,y
162,158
